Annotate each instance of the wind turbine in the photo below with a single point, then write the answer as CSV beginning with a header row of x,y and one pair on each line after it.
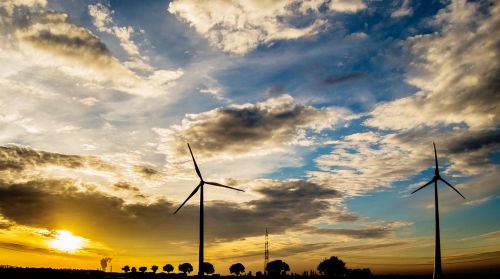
x,y
200,187
437,253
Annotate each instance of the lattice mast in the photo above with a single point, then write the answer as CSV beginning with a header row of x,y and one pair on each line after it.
x,y
266,252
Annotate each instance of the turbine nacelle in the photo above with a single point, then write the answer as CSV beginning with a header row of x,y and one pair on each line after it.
x,y
202,182
437,176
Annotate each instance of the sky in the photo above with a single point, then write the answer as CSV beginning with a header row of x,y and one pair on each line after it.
x,y
324,112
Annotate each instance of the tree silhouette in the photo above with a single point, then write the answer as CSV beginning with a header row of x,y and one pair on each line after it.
x,y
154,268
168,268
208,268
143,269
126,268
332,267
277,267
186,268
237,268
134,270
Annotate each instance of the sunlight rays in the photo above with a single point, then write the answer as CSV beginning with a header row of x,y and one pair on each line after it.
x,y
67,242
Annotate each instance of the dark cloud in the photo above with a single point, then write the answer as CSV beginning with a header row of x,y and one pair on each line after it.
x,y
145,171
344,216
339,78
300,248
52,32
474,140
277,210
467,149
456,141
241,129
32,30
51,203
17,158
379,232
69,45
369,247
126,186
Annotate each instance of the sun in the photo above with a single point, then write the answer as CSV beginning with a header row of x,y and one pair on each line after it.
x,y
66,241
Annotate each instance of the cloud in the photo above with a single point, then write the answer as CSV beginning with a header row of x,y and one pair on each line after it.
x,y
346,6
335,79
456,70
250,128
39,40
457,106
101,17
364,162
485,236
50,32
477,191
355,233
373,231
20,158
48,203
467,150
20,247
404,10
146,172
126,187
241,26
370,247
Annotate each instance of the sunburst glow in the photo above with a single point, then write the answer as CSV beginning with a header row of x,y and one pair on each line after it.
x,y
66,241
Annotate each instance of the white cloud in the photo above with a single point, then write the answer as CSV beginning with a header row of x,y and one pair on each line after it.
x,y
346,6
456,70
404,10
241,26
103,21
37,40
363,162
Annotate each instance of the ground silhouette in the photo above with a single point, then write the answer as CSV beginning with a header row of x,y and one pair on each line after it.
x,y
329,268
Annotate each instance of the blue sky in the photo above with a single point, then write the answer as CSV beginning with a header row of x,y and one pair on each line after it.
x,y
323,111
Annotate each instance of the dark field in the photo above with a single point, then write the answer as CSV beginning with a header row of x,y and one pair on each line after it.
x,y
31,273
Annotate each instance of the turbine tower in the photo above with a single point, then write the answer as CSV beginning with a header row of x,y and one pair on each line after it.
x,y
438,273
200,187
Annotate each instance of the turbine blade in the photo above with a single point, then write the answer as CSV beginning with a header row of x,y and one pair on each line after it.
x,y
192,194
423,186
195,165
436,157
442,179
220,185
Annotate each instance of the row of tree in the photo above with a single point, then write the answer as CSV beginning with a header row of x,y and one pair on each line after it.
x,y
332,268
186,268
